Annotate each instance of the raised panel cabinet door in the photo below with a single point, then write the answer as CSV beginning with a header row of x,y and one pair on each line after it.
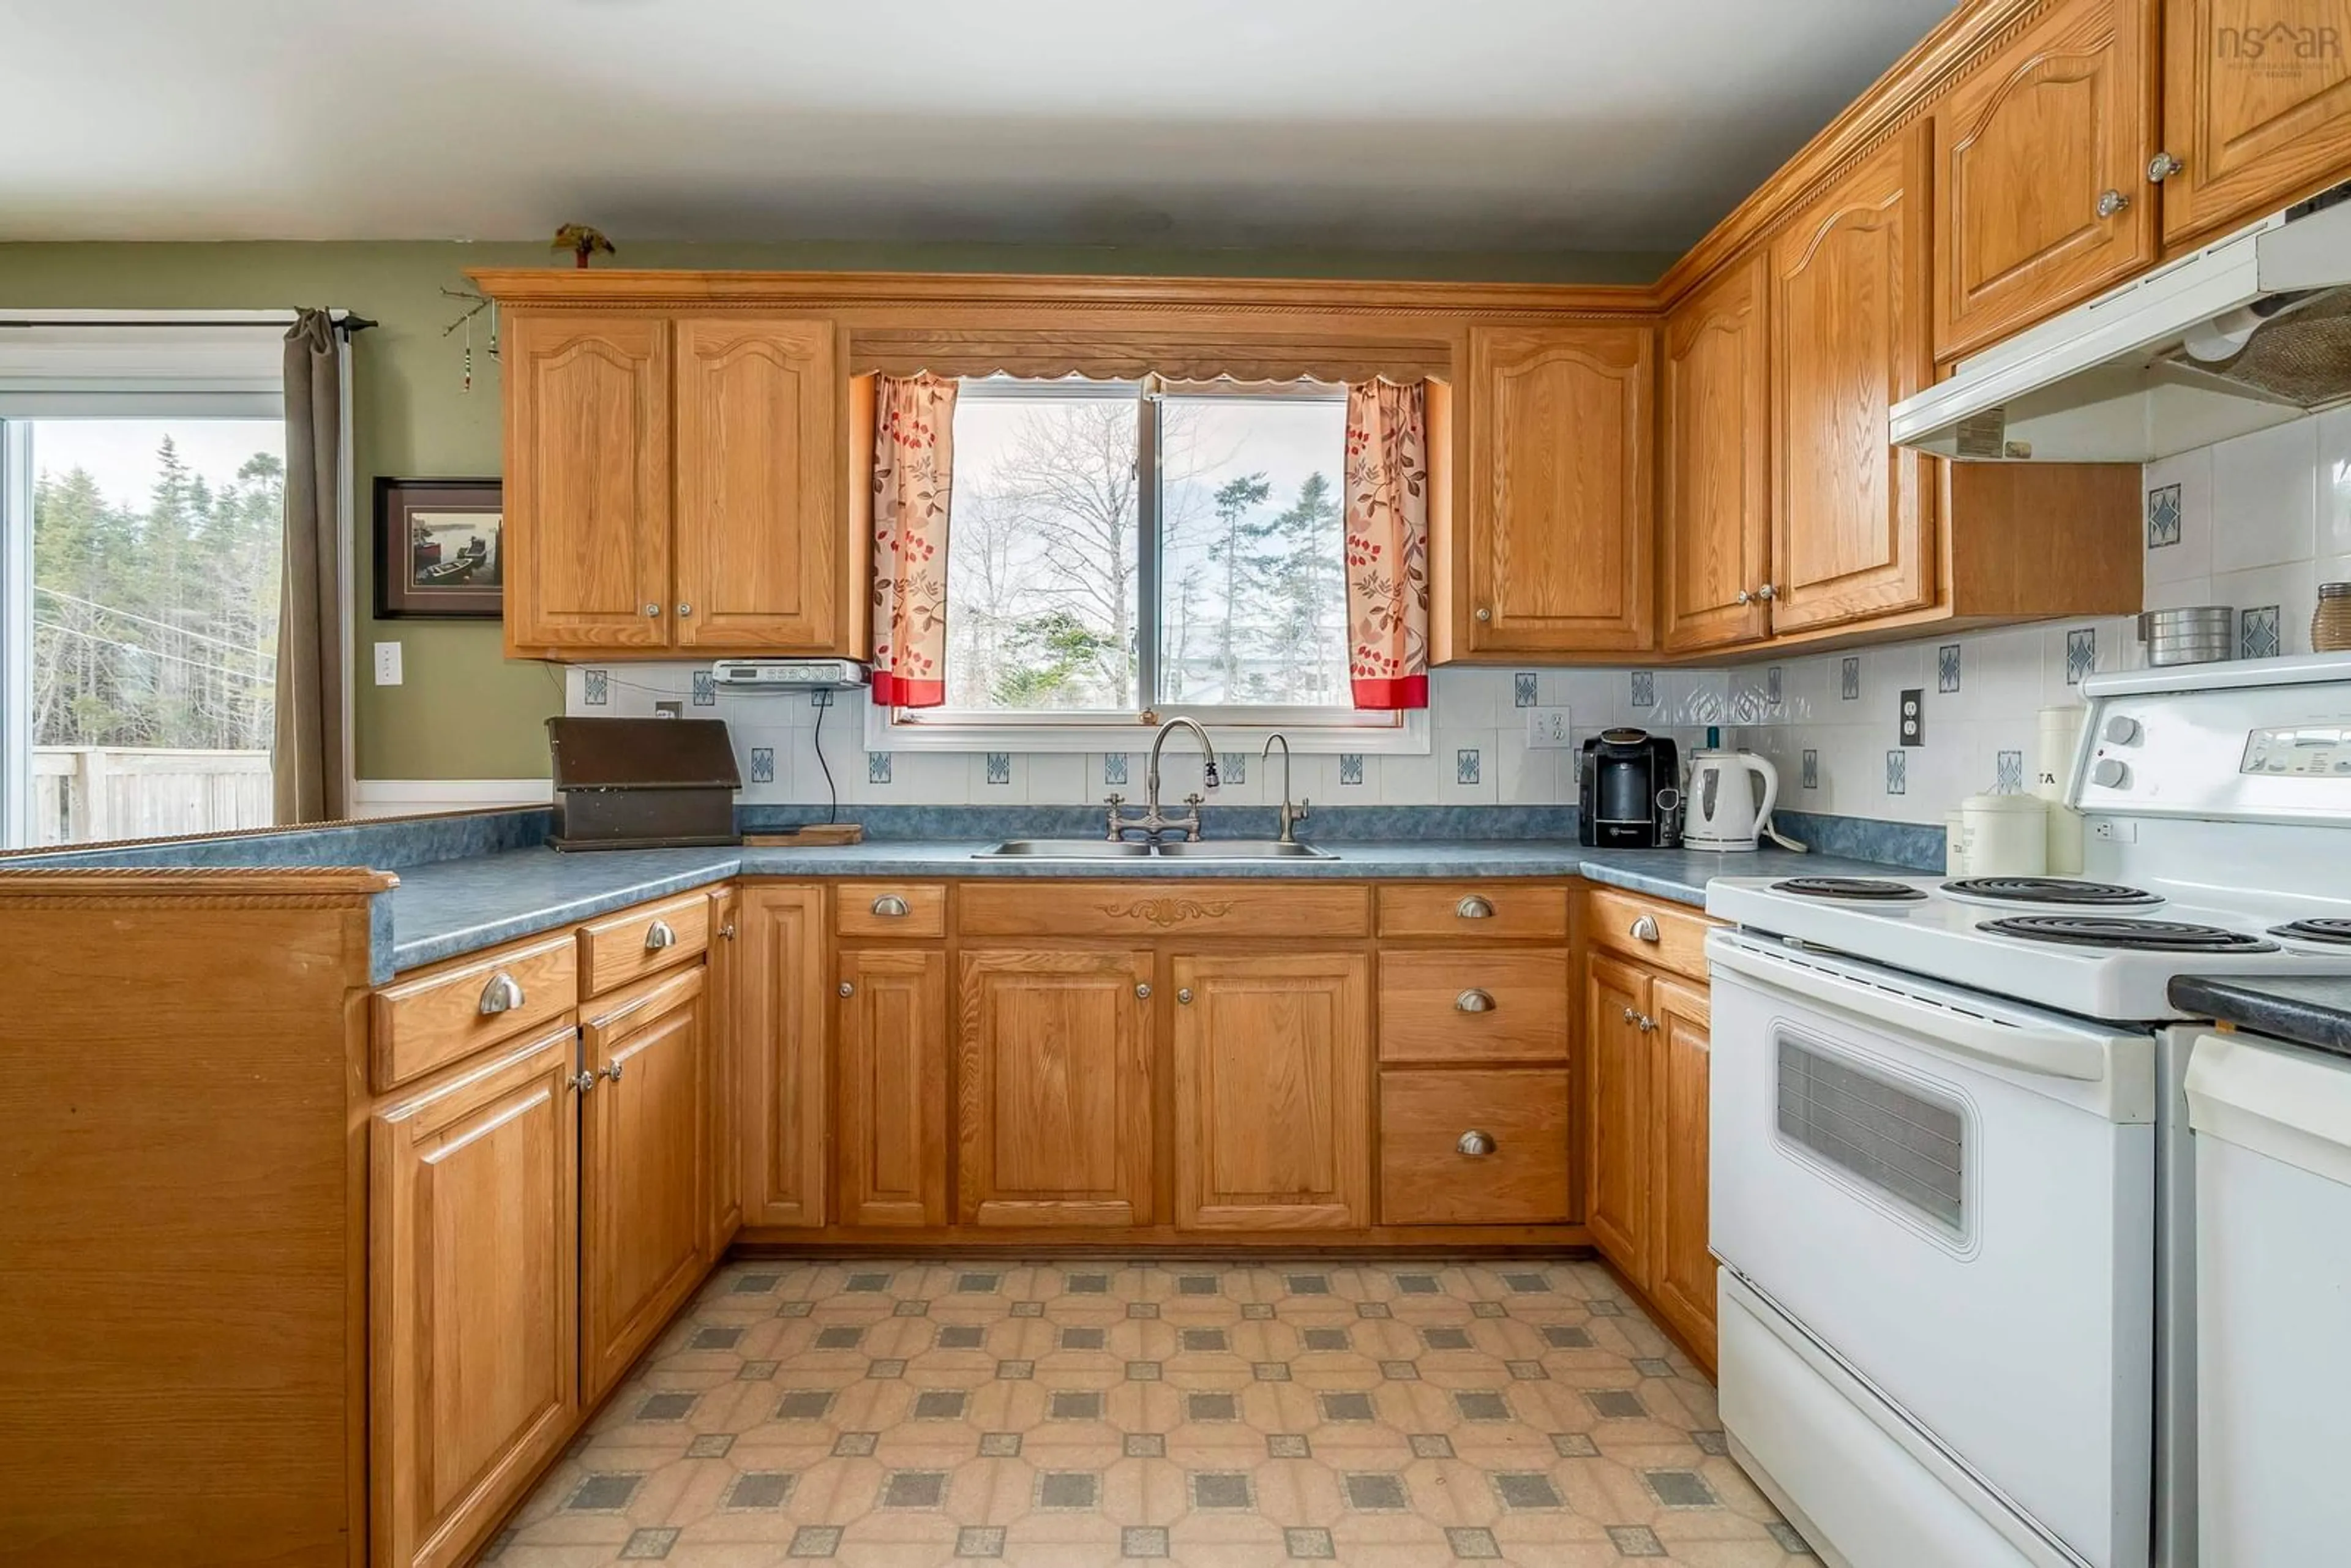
x,y
1851,525
1272,1062
763,539
2256,108
644,1227
893,1086
1054,1082
1616,1077
1717,462
474,1304
728,1075
585,553
786,1097
1682,1267
2041,192
1562,460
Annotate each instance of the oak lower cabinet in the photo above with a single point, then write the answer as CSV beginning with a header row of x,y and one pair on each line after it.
x,y
728,1077
893,1052
1474,1145
474,1296
1054,1050
2256,109
784,1007
644,1214
1616,1077
1272,1065
1681,1268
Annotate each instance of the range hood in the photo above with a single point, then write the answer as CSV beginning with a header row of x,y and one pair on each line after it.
x,y
2249,331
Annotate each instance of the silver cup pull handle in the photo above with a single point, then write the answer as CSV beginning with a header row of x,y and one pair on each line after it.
x,y
1474,1143
1474,908
890,907
501,995
659,936
1474,1001
1644,929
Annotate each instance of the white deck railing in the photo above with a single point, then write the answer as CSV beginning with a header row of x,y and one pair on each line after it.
x,y
82,794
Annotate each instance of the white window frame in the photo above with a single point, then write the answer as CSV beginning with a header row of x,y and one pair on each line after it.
x,y
125,364
1326,730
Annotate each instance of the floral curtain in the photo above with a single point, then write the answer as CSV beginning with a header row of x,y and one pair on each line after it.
x,y
914,465
1387,544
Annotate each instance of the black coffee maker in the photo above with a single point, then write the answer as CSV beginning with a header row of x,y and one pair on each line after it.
x,y
1629,792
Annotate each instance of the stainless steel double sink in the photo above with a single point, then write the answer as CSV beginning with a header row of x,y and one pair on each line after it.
x,y
1179,849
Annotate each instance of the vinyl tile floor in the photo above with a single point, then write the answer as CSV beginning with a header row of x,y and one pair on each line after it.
x,y
1221,1415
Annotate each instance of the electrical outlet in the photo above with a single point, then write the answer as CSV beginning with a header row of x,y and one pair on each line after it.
x,y
1914,715
387,664
2114,829
669,710
1547,727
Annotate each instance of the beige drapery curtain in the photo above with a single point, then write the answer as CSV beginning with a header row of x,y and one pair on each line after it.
x,y
307,751
1387,544
913,478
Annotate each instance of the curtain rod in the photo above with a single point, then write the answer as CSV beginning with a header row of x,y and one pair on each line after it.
x,y
345,321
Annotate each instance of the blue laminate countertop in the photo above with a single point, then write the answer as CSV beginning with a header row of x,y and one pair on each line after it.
x,y
452,907
2316,1013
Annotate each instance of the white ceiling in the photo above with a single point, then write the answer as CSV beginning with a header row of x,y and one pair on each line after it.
x,y
1506,125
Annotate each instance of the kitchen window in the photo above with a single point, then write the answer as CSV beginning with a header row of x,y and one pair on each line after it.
x,y
1123,551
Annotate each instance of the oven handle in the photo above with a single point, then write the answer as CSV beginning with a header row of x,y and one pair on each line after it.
x,y
2054,1053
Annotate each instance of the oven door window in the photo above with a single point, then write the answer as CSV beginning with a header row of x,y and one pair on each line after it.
x,y
1898,1141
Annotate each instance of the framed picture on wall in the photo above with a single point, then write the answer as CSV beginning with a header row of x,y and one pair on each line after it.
x,y
439,548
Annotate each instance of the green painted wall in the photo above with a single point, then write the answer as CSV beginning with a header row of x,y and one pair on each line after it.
x,y
465,711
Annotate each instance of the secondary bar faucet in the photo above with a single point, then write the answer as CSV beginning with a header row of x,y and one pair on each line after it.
x,y
1291,815
1153,822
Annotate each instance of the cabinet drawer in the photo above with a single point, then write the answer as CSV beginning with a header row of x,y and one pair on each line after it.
x,y
1130,909
453,1009
891,909
636,942
1660,935
1489,910
1445,1005
1426,1179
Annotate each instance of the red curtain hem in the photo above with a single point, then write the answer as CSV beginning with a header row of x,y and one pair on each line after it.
x,y
1392,696
897,691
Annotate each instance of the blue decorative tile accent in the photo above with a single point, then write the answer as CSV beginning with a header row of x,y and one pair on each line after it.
x,y
1465,765
763,765
1644,688
1947,667
1232,767
1351,768
820,698
877,768
595,687
2008,773
1811,773
1897,772
1775,684
1522,689
1849,679
2257,632
999,767
1114,768
2162,516
706,689
2081,653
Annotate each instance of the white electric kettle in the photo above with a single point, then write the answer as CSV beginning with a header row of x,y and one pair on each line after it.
x,y
1725,811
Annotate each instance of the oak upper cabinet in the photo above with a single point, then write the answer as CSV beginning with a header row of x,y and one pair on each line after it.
x,y
474,1304
762,544
1717,462
1561,537
894,1096
785,1093
1054,1078
2256,109
2041,193
727,1075
1853,523
1616,1078
1272,1062
645,1226
1682,1270
585,554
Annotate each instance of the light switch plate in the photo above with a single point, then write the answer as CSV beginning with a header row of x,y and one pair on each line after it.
x,y
1547,727
387,664
1914,715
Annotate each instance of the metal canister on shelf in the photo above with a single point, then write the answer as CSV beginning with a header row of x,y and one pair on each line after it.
x,y
2330,626
2197,634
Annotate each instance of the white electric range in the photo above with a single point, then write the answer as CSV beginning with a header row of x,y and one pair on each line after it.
x,y
1951,1192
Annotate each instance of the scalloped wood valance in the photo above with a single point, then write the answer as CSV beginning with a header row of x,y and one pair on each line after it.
x,y
1130,356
